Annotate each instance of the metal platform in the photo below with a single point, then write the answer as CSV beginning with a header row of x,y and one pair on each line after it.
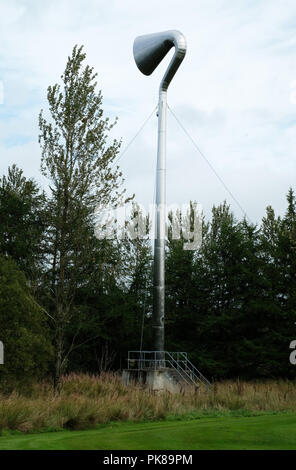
x,y
175,364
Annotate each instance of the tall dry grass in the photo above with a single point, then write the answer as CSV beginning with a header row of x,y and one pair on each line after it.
x,y
86,401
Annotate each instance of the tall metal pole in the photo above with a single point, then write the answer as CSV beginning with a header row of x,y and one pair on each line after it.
x,y
159,244
149,50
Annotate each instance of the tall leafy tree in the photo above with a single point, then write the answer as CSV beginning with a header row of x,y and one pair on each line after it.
x,y
224,285
278,241
78,159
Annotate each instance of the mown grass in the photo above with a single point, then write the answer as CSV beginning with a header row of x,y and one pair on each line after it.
x,y
261,432
87,401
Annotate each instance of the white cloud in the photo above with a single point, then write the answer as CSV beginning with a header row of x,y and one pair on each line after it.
x,y
232,91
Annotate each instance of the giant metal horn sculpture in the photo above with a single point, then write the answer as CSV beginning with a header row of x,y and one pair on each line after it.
x,y
149,50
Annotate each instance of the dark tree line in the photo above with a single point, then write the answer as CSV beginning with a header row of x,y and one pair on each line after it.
x,y
72,302
232,303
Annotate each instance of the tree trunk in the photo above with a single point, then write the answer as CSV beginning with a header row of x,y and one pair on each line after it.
x,y
59,360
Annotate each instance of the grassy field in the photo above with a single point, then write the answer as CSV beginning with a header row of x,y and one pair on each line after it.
x,y
258,432
88,401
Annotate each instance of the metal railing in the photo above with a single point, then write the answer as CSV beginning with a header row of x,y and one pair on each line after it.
x,y
183,359
178,361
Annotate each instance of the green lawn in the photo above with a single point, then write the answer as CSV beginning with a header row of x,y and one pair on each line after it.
x,y
258,432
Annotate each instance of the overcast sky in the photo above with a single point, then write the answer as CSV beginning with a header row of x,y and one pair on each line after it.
x,y
234,92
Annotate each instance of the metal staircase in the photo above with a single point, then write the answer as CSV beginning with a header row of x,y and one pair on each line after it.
x,y
177,364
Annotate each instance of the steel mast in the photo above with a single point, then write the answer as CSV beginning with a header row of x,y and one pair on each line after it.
x,y
149,50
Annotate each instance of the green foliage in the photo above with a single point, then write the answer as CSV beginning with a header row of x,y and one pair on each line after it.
x,y
232,304
22,221
23,329
116,302
75,154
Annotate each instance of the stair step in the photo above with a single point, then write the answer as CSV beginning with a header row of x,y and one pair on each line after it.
x,y
184,377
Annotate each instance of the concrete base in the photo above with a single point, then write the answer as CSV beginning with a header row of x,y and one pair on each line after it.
x,y
160,380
